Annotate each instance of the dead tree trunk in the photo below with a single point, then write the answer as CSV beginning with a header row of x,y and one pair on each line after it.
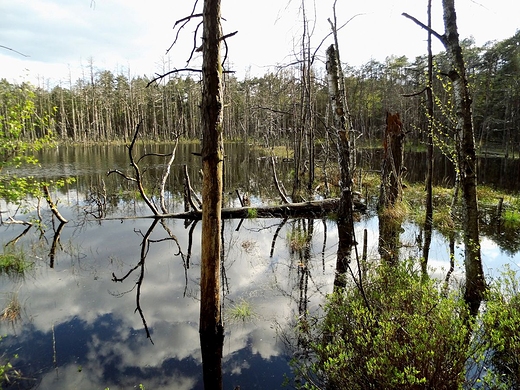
x,y
210,326
341,127
391,181
428,219
391,189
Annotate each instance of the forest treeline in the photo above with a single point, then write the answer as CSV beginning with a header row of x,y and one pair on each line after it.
x,y
103,106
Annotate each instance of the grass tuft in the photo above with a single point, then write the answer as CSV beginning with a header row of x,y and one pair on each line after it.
x,y
12,311
14,263
241,311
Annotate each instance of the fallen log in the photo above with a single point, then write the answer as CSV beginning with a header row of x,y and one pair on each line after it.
x,y
313,209
304,209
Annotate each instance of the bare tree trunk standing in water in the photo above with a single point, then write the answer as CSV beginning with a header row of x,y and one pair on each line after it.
x,y
428,220
466,156
466,161
210,327
341,126
391,190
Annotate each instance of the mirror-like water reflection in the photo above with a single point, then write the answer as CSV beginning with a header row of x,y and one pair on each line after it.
x,y
78,328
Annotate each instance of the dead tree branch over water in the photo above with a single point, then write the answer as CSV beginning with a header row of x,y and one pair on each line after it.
x,y
138,178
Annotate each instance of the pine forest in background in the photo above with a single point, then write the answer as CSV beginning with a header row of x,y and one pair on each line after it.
x,y
102,107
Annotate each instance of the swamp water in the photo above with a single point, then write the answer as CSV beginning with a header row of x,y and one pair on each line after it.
x,y
79,329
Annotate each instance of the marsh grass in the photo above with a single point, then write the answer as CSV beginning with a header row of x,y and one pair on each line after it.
x,y
14,263
13,309
241,311
511,219
297,240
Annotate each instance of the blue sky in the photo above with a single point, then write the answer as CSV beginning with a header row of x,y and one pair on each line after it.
x,y
131,37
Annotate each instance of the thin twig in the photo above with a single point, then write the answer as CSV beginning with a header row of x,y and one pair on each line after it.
x,y
16,51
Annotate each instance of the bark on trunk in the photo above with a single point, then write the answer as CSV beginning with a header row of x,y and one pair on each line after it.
x,y
391,189
475,282
391,181
341,125
210,326
428,219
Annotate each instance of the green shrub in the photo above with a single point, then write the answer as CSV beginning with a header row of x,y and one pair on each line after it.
x,y
396,332
501,331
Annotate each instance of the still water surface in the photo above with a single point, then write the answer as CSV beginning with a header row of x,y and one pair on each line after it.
x,y
79,329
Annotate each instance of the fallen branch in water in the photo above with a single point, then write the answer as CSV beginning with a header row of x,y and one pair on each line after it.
x,y
314,209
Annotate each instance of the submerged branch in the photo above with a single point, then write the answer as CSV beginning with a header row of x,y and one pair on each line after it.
x,y
314,209
165,176
52,205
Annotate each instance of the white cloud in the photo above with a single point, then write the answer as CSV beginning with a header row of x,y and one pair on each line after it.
x,y
59,34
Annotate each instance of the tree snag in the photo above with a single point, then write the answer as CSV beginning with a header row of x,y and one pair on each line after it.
x,y
341,127
210,325
391,189
391,181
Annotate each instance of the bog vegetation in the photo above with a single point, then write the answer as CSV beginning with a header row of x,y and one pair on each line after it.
x,y
394,327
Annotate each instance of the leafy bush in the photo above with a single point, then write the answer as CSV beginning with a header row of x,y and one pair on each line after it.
x,y
501,332
397,331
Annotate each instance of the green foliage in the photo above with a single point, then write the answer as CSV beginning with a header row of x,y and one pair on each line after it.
x,y
4,370
7,372
398,332
512,219
23,132
14,263
501,331
252,213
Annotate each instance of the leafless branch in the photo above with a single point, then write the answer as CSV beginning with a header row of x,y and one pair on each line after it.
x,y
121,174
415,93
223,39
15,240
16,51
137,171
332,32
275,236
189,191
55,244
161,76
165,176
145,246
277,183
52,205
442,37
184,22
195,47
